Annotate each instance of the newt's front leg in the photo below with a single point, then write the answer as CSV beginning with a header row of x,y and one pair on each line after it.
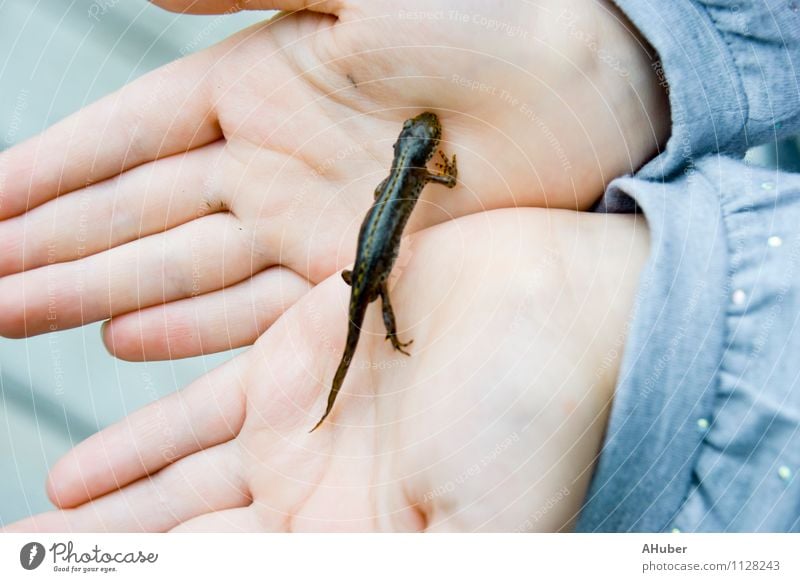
x,y
449,173
389,322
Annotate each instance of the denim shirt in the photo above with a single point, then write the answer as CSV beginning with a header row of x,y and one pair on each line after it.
x,y
732,69
704,433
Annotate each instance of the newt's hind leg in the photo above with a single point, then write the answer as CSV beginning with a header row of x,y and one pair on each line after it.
x,y
389,322
348,277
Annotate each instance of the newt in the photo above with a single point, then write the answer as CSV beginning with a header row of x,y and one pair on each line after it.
x,y
382,230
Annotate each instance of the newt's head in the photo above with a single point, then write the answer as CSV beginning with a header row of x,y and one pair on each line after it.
x,y
418,139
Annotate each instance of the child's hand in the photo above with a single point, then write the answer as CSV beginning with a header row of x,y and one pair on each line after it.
x,y
493,423
264,151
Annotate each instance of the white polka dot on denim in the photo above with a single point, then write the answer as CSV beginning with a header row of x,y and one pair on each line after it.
x,y
774,241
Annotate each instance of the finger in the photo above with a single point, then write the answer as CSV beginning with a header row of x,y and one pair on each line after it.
x,y
208,412
208,481
238,520
191,259
165,112
295,363
146,200
222,320
229,6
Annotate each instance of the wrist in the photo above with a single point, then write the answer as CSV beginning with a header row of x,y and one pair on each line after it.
x,y
629,75
597,85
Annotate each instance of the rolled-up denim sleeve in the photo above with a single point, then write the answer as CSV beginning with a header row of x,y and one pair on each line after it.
x,y
732,69
704,431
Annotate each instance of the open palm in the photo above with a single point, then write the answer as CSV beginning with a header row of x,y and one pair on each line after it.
x,y
493,423
250,165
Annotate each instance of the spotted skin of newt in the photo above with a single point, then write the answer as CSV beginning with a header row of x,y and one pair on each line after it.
x,y
382,230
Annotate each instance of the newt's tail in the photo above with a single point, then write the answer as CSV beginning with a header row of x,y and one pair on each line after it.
x,y
341,371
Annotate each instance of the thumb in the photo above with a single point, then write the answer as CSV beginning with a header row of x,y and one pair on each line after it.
x,y
230,6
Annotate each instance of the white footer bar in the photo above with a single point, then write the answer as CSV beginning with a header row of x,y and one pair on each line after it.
x,y
406,558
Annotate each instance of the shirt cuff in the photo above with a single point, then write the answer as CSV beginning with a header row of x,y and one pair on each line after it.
x,y
707,99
